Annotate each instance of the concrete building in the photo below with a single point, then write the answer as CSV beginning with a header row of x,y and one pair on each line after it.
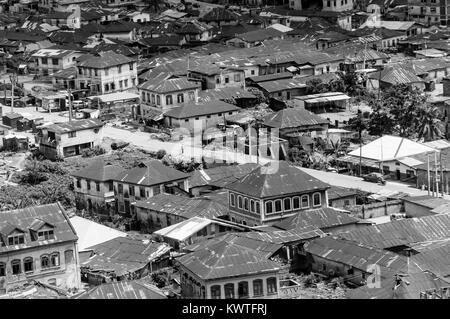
x,y
52,60
144,181
274,192
70,138
429,12
225,270
94,189
165,92
38,243
212,76
106,72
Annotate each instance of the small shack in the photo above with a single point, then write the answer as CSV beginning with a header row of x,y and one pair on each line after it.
x,y
11,119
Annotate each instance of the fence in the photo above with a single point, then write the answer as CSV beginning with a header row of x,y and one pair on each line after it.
x,y
377,209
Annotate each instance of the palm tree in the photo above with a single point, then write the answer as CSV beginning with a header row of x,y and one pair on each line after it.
x,y
429,126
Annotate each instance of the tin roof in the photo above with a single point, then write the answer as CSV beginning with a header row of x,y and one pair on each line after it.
x,y
226,259
185,207
273,180
194,110
152,172
293,118
75,125
162,84
134,289
284,237
321,218
23,219
99,170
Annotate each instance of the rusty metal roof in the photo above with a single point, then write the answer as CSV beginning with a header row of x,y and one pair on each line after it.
x,y
25,218
133,289
293,118
286,236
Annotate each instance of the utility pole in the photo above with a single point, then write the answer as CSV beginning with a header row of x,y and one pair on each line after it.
x,y
69,90
442,174
13,79
436,174
428,173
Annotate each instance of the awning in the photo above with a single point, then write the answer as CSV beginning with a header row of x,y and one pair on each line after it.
x,y
356,160
115,97
153,115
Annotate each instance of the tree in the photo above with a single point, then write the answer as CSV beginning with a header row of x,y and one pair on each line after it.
x,y
428,123
358,124
316,86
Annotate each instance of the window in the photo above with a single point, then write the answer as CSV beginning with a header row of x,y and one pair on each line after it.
x,y
46,234
78,183
215,292
54,259
95,72
106,87
153,98
44,61
246,203
121,84
52,281
258,288
305,201
28,264
119,69
131,66
252,72
243,289
229,291
180,98
316,199
169,100
158,100
2,269
350,271
106,72
278,206
296,202
45,261
252,205
72,134
258,208
88,184
156,190
237,77
271,285
68,256
232,200
120,189
227,79
269,207
191,95
287,204
126,82
217,80
15,265
346,202
240,202
97,186
16,239
131,189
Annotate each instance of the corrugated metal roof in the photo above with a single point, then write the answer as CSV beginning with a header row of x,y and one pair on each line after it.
x,y
135,289
293,118
193,110
75,125
23,219
287,179
285,236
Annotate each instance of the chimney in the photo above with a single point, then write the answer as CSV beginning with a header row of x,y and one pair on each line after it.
x,y
446,86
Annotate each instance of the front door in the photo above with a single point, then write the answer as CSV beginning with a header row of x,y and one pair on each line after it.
x,y
398,174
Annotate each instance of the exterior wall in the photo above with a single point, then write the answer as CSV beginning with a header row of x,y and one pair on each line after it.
x,y
63,63
157,220
56,148
428,12
422,179
96,198
66,274
104,77
254,218
337,5
377,209
313,130
150,191
342,202
126,36
151,98
218,81
406,172
189,288
328,267
374,8
391,42
287,94
205,121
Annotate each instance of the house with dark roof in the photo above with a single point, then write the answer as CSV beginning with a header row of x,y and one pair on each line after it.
x,y
191,117
294,122
425,205
394,75
254,38
165,92
195,31
145,181
70,138
53,60
341,197
122,259
225,270
220,16
210,179
282,88
130,289
274,192
93,186
106,72
164,210
38,243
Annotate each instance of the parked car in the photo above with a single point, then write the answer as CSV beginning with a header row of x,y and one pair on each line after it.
x,y
78,104
374,178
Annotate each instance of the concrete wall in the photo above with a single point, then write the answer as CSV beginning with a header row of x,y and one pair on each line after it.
x,y
151,98
415,210
377,209
66,274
